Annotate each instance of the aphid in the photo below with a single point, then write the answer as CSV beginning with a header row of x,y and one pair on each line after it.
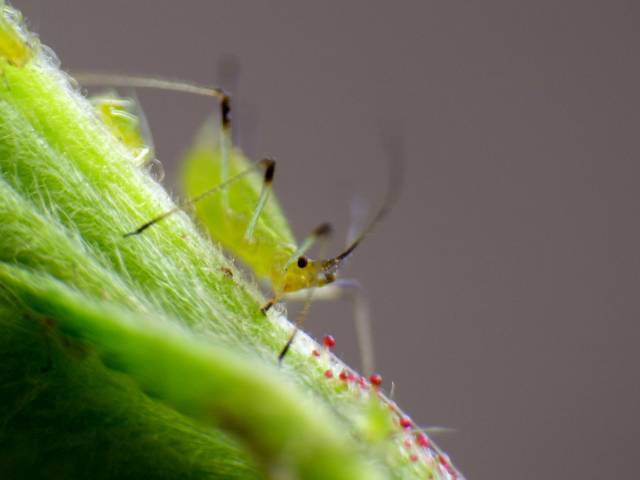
x,y
235,202
17,45
126,121
255,232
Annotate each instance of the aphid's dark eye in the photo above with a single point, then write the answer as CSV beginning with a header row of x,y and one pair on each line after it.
x,y
303,262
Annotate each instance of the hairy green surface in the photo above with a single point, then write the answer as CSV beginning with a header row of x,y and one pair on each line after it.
x,y
123,358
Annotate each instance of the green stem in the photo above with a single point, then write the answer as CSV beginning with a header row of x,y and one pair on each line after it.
x,y
208,383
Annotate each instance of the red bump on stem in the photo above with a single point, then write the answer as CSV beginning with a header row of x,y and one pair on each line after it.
x,y
376,380
328,373
446,464
422,440
406,423
328,341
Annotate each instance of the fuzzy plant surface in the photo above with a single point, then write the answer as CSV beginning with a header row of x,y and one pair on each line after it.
x,y
149,356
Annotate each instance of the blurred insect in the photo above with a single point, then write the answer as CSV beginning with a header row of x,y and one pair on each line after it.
x,y
244,217
17,45
126,121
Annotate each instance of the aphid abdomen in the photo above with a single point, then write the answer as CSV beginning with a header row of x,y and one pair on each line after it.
x,y
272,242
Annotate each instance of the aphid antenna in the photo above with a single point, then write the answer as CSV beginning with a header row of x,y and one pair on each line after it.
x,y
395,165
228,70
358,212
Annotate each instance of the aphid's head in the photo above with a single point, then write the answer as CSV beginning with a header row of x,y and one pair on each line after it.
x,y
306,273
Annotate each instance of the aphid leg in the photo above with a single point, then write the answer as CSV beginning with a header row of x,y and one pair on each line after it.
x,y
395,153
353,291
302,316
262,200
362,320
266,163
225,144
135,81
321,232
228,69
228,73
267,306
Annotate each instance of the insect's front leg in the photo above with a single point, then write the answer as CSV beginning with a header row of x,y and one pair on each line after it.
x,y
353,291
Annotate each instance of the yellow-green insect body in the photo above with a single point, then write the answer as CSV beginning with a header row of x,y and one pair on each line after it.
x,y
296,277
250,224
272,244
124,119
17,45
271,250
234,203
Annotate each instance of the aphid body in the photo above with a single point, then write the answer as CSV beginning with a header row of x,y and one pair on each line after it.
x,y
235,203
125,120
17,46
271,250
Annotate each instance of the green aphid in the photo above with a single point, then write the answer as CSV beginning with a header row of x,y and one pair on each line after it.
x,y
247,220
233,199
269,246
17,45
124,118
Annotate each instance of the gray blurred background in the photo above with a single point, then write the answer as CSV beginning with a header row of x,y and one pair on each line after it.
x,y
505,283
